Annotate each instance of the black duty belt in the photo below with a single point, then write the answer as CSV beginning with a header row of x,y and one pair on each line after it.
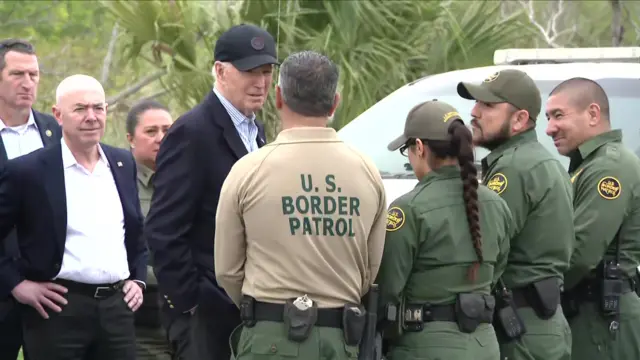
x,y
436,312
327,317
98,291
521,297
589,289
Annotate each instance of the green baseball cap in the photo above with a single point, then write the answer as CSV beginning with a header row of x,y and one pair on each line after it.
x,y
429,120
511,86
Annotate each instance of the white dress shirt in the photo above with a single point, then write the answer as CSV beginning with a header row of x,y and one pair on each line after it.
x,y
94,251
22,139
246,126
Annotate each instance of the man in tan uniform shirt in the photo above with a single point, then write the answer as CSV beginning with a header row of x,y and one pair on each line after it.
x,y
303,217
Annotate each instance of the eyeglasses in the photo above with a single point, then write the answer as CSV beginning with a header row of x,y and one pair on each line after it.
x,y
403,149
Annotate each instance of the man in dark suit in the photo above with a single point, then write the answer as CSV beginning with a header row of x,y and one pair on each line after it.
x,y
22,130
194,159
77,215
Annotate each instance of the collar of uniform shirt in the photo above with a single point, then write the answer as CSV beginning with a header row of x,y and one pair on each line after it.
x,y
144,174
527,136
68,160
306,134
596,142
443,172
236,116
30,122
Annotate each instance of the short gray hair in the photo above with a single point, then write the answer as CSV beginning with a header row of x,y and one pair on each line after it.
x,y
308,82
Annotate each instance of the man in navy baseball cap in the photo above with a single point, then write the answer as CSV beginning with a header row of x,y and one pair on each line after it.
x,y
246,47
199,315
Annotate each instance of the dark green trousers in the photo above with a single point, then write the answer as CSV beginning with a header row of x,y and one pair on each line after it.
x,y
593,340
269,340
544,340
440,340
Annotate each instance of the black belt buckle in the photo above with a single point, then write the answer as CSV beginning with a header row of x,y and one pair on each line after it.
x,y
106,290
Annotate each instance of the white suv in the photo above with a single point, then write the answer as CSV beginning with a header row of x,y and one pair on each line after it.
x,y
617,70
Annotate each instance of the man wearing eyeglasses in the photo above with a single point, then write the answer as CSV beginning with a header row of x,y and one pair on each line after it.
x,y
22,130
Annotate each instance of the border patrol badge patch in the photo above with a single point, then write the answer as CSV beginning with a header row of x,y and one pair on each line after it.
x,y
492,77
498,183
609,187
395,219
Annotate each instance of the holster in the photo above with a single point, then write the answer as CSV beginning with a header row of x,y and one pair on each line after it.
x,y
353,323
472,310
545,297
507,321
299,323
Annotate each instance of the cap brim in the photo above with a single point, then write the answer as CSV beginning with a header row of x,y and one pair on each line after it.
x,y
478,93
255,61
397,143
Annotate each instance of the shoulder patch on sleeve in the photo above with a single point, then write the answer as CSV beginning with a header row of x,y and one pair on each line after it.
x,y
498,183
395,218
609,187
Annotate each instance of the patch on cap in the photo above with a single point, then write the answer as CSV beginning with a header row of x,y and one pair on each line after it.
x,y
257,43
492,77
450,115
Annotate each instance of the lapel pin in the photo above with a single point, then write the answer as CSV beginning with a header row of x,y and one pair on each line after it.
x,y
119,163
48,133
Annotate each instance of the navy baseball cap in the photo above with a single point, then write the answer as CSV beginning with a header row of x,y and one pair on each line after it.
x,y
246,47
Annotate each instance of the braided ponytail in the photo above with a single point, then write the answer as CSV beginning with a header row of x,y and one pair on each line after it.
x,y
461,140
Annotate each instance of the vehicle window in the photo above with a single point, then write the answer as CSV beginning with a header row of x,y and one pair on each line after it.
x,y
375,128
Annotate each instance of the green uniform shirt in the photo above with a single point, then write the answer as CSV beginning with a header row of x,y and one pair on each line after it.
x,y
428,248
606,184
145,191
145,187
538,191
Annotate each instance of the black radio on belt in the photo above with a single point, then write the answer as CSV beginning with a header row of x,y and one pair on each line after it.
x,y
247,311
507,321
612,286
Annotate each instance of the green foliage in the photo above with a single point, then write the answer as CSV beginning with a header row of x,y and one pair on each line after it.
x,y
378,45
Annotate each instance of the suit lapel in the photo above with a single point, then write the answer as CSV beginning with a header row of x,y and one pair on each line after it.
x,y
3,153
261,140
222,118
117,169
46,133
55,188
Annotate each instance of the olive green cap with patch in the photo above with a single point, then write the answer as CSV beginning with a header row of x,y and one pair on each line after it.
x,y
429,120
511,86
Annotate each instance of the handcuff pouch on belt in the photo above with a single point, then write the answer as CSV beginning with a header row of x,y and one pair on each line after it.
x,y
298,322
354,320
545,297
507,320
472,310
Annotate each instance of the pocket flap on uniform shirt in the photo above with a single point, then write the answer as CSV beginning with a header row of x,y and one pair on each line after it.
x,y
274,345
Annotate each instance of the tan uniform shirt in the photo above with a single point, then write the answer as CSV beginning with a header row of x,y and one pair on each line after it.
x,y
145,191
305,214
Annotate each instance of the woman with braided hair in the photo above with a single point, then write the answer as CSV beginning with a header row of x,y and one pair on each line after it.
x,y
447,244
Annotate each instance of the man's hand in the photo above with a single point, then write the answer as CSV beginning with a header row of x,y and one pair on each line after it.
x,y
38,295
132,295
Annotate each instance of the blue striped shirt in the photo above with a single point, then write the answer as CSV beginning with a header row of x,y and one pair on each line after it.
x,y
246,127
